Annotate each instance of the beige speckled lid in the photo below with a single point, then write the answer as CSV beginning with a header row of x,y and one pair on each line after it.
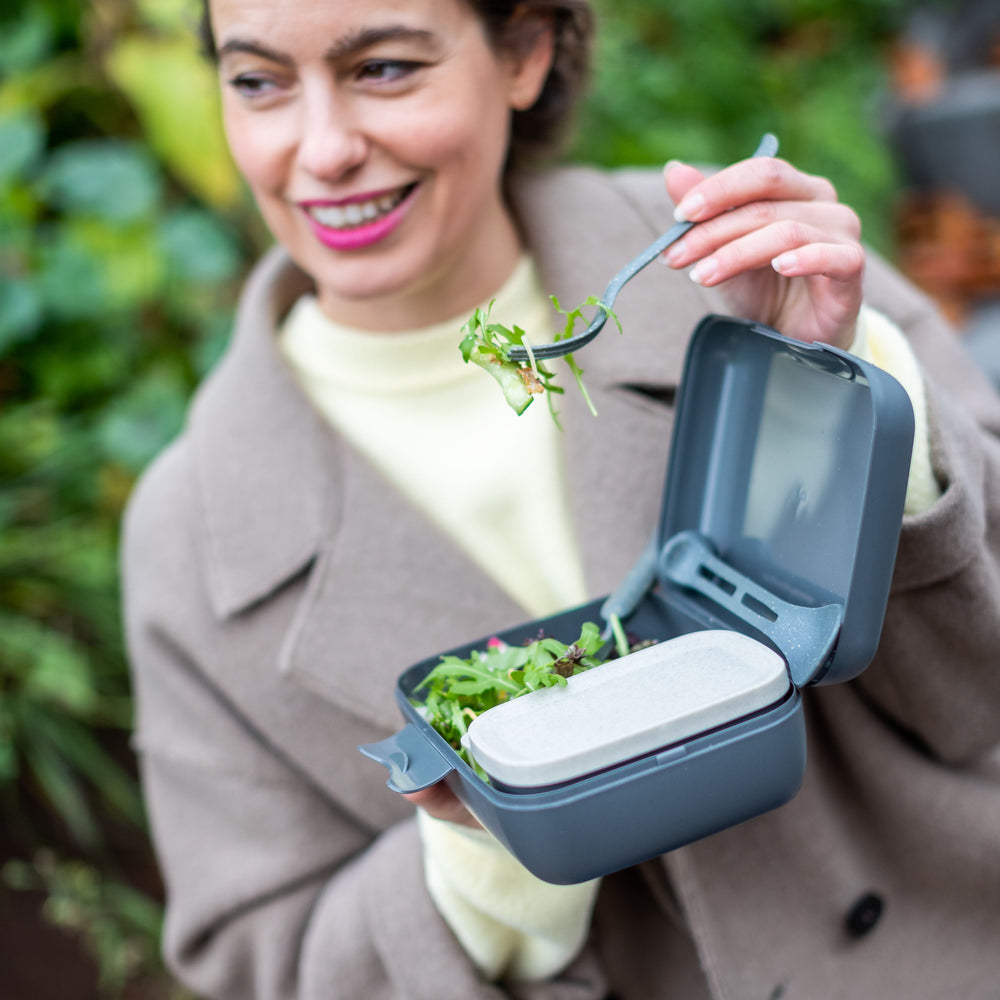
x,y
652,698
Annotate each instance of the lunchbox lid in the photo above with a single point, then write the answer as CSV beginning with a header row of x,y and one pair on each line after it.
x,y
649,700
784,493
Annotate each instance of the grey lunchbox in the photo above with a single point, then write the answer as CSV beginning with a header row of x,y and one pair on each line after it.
x,y
768,572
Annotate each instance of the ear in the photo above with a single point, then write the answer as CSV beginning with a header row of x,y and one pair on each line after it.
x,y
529,59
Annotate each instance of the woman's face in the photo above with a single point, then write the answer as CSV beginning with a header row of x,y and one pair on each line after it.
x,y
373,136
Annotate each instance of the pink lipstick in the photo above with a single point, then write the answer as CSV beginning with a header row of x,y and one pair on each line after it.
x,y
352,228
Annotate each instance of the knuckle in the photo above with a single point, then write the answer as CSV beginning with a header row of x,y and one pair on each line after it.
x,y
773,170
825,189
794,232
851,222
858,258
734,257
761,213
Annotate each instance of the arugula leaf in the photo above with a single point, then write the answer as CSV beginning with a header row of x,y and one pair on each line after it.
x,y
488,345
571,317
457,690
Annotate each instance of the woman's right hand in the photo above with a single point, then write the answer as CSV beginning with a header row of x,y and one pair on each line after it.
x,y
781,246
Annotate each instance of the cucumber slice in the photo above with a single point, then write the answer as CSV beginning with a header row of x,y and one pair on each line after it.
x,y
519,385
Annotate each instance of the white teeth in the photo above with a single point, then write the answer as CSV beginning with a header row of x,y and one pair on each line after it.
x,y
357,212
331,216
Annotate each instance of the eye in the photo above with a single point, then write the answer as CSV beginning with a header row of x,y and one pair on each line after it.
x,y
251,85
386,70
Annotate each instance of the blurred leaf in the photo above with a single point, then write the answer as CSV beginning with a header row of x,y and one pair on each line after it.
x,y
137,426
52,669
9,761
24,42
171,16
175,93
20,312
28,434
197,248
69,280
22,140
61,787
41,86
106,178
135,908
129,258
79,747
17,874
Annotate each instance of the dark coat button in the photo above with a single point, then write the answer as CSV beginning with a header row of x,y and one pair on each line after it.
x,y
864,915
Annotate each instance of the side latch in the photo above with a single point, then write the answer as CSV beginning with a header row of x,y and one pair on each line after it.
x,y
805,636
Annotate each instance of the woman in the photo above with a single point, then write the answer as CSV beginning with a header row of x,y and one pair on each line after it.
x,y
348,498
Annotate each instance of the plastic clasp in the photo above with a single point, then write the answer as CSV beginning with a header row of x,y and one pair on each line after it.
x,y
804,636
410,758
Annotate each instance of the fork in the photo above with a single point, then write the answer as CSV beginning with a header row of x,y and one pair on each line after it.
x,y
768,146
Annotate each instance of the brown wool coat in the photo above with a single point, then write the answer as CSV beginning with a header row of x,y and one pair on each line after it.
x,y
276,586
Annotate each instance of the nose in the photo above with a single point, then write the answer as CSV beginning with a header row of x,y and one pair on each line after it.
x,y
331,143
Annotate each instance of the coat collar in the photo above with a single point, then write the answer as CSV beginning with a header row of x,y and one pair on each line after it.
x,y
283,496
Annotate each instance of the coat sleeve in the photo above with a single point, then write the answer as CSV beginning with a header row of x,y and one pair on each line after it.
x,y
274,889
936,673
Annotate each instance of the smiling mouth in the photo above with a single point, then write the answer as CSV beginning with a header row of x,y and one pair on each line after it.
x,y
355,214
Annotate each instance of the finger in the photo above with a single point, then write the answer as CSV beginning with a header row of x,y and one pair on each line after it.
x,y
762,178
680,178
837,261
837,221
441,802
814,253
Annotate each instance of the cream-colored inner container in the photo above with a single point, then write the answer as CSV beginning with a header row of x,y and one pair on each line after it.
x,y
628,707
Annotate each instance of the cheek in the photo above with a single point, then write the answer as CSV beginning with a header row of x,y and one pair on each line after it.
x,y
259,151
466,140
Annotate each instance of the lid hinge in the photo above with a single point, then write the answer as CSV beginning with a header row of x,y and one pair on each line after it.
x,y
804,636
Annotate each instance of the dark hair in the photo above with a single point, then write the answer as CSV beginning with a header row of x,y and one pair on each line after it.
x,y
536,132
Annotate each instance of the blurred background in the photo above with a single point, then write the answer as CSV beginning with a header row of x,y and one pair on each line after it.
x,y
124,234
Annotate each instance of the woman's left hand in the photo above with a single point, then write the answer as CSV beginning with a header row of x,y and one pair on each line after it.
x,y
783,249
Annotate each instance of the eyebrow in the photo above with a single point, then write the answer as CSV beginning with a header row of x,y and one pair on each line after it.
x,y
349,44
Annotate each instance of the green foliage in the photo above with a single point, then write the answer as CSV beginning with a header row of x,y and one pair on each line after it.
x,y
118,274
700,80
118,926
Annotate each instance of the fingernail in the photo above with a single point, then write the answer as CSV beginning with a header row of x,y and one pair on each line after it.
x,y
784,262
669,165
704,271
689,208
674,255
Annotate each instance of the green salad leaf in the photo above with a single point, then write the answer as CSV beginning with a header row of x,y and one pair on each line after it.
x,y
457,690
488,345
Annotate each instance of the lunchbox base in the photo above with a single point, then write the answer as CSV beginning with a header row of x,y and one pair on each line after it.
x,y
616,819
619,817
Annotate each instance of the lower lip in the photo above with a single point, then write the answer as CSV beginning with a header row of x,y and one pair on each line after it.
x,y
364,235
